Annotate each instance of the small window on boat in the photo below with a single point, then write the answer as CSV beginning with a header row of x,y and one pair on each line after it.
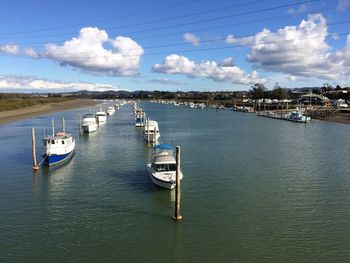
x,y
165,167
62,142
172,167
52,142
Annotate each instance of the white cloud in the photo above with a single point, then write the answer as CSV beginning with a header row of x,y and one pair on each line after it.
x,y
343,5
292,78
30,52
299,50
10,49
225,71
15,82
301,9
230,39
165,81
191,38
88,52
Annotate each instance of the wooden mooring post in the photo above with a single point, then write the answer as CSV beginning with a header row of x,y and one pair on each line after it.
x,y
80,127
177,216
155,136
35,164
148,137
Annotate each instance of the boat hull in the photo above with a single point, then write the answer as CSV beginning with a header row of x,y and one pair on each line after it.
x,y
56,159
101,119
164,184
89,128
152,138
167,184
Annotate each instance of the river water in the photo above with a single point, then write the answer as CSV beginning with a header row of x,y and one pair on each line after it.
x,y
254,190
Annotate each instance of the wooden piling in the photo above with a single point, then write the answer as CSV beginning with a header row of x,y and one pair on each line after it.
x,y
177,216
35,164
148,139
53,127
142,120
63,125
80,127
155,135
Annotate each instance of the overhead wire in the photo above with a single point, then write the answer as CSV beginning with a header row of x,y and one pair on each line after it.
x,y
203,20
246,22
236,37
100,20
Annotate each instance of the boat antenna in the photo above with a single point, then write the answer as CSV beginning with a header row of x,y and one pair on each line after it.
x,y
53,127
63,125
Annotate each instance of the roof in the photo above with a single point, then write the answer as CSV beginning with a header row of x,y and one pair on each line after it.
x,y
164,146
164,159
152,123
313,95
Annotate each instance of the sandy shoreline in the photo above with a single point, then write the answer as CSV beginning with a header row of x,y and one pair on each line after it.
x,y
340,117
37,110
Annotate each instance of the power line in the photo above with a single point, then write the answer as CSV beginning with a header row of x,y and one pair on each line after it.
x,y
190,15
224,38
220,48
205,20
240,45
101,20
221,17
169,18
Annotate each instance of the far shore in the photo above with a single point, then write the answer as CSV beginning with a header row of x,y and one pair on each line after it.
x,y
343,118
37,110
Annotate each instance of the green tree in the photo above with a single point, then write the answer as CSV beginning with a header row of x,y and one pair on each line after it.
x,y
257,91
279,93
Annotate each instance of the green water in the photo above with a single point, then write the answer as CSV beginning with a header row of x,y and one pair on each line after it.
x,y
254,190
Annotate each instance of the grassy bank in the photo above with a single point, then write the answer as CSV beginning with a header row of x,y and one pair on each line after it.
x,y
12,103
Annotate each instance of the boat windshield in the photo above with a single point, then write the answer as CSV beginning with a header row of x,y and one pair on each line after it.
x,y
165,167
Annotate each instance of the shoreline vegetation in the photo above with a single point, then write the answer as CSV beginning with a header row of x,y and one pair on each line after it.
x,y
18,109
16,106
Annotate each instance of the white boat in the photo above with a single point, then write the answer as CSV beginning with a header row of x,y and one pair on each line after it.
x,y
110,111
58,147
101,117
139,115
89,123
298,116
162,170
149,128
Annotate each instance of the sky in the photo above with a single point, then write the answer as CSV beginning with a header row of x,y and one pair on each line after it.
x,y
193,45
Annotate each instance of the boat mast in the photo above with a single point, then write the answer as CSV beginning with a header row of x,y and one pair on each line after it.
x,y
63,125
53,127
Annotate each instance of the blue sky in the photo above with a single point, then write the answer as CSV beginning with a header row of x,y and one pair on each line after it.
x,y
179,45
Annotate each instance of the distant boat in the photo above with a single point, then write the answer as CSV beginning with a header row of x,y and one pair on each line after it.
x,y
298,116
89,123
139,114
162,170
58,147
110,111
101,117
149,127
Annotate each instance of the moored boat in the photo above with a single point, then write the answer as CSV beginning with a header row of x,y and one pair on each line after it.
x,y
298,116
89,123
151,131
110,111
162,170
58,147
139,116
101,117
